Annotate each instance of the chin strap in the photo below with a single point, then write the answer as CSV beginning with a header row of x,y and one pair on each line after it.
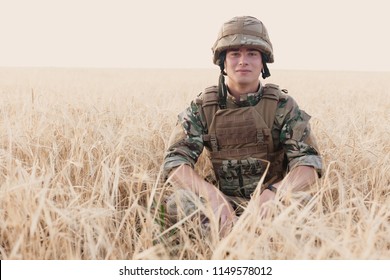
x,y
222,91
265,72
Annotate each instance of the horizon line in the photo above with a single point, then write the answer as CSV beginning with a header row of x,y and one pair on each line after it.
x,y
183,68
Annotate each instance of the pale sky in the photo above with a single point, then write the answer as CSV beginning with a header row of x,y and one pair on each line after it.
x,y
312,35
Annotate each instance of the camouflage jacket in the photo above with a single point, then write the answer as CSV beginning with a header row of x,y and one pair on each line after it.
x,y
291,130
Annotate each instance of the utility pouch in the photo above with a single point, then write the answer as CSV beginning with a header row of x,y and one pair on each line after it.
x,y
240,177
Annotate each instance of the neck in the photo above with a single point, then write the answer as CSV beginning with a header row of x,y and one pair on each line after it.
x,y
237,90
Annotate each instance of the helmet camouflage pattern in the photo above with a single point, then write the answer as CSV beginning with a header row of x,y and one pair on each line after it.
x,y
243,31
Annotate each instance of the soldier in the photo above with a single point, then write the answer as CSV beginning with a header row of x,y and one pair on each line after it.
x,y
255,133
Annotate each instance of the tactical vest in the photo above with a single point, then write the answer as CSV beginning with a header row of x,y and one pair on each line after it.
x,y
240,142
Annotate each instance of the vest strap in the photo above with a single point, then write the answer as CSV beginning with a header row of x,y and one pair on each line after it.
x,y
214,143
238,153
260,137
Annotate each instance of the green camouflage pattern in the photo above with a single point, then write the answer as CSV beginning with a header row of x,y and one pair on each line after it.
x,y
291,131
243,31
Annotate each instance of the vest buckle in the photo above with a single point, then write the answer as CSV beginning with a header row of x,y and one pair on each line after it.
x,y
214,143
260,137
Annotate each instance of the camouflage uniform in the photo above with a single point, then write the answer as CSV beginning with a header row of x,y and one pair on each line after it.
x,y
287,125
291,132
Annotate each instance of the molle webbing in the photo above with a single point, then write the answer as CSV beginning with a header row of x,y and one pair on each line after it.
x,y
269,103
239,128
266,109
242,133
209,103
270,93
238,153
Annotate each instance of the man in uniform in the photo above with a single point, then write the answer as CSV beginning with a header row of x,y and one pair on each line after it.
x,y
255,133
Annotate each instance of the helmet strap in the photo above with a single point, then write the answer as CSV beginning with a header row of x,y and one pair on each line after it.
x,y
222,91
221,60
265,71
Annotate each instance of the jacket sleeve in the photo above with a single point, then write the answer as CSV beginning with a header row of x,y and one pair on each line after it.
x,y
186,142
296,136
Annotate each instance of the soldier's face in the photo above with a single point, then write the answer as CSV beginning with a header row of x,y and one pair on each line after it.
x,y
243,67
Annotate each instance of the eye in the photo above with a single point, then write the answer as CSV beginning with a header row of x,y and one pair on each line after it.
x,y
234,53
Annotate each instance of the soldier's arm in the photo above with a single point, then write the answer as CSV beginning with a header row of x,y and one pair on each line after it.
x,y
186,142
304,160
296,180
298,140
185,177
186,145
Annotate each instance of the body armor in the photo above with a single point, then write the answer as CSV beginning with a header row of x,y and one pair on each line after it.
x,y
240,142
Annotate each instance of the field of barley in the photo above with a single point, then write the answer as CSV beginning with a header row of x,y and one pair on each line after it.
x,y
80,168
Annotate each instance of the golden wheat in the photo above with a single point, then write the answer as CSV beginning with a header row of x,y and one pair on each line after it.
x,y
80,169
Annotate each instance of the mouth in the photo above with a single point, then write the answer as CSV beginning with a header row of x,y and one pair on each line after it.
x,y
243,71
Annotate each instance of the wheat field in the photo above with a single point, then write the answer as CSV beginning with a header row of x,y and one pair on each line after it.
x,y
80,168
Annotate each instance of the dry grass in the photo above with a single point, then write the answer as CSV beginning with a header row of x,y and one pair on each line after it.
x,y
80,157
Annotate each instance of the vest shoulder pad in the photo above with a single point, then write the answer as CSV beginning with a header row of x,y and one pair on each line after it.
x,y
272,91
209,96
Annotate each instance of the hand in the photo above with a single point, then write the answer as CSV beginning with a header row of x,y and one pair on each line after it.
x,y
185,177
223,211
265,196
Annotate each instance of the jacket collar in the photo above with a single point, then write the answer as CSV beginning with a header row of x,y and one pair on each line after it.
x,y
245,100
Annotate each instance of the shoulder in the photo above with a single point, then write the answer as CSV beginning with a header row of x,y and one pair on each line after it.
x,y
209,96
273,91
287,107
194,114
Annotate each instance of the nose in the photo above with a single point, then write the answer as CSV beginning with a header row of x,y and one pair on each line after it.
x,y
243,60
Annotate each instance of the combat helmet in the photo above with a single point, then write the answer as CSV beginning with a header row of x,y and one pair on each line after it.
x,y
243,31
